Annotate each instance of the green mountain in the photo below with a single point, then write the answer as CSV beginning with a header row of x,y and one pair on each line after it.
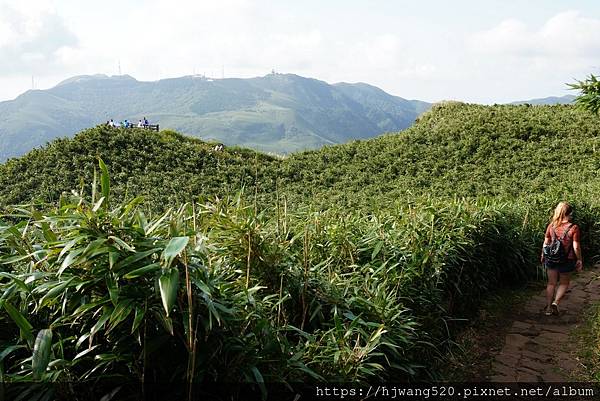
x,y
278,113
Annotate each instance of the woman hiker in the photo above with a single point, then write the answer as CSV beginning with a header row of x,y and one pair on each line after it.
x,y
561,255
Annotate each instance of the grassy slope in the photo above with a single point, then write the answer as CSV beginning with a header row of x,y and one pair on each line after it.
x,y
164,167
465,150
456,149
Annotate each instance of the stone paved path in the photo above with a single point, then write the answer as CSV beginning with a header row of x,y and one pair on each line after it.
x,y
538,347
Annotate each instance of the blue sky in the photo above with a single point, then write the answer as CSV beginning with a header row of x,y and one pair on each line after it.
x,y
476,51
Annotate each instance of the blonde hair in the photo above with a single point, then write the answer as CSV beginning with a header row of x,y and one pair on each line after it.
x,y
562,210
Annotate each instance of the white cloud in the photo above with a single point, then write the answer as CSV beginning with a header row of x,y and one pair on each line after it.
x,y
517,60
510,37
568,34
407,55
31,41
571,34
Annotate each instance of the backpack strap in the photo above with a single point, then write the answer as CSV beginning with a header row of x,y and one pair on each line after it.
x,y
554,235
566,232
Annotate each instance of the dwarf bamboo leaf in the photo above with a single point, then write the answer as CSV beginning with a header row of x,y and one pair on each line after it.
x,y
8,350
122,310
24,326
134,258
122,244
142,271
168,283
142,221
20,283
70,259
139,316
104,180
70,245
113,290
48,233
94,185
131,205
81,339
15,259
100,323
165,321
376,250
41,353
173,249
54,289
261,382
85,352
202,286
113,257
158,223
98,204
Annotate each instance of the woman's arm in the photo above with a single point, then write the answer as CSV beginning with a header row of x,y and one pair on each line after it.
x,y
577,249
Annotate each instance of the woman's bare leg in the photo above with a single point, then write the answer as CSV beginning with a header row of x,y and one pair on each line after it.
x,y
552,279
565,279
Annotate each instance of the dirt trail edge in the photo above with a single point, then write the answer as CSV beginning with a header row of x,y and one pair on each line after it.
x,y
538,348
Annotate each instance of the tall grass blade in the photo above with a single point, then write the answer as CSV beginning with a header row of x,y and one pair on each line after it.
x,y
104,180
24,326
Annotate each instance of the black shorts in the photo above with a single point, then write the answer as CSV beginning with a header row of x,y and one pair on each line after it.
x,y
567,267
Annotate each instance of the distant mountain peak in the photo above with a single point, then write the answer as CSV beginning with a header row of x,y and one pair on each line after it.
x,y
566,99
358,84
96,77
363,86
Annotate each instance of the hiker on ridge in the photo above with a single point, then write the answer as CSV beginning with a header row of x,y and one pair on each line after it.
x,y
561,255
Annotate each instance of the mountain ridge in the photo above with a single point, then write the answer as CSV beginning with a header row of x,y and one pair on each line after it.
x,y
549,100
278,113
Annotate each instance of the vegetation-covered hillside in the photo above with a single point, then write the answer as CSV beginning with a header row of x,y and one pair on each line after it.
x,y
454,150
464,150
166,168
353,263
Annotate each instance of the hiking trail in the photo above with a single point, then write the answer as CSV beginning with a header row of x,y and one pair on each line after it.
x,y
539,348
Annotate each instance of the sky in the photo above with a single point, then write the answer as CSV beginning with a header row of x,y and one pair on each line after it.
x,y
486,51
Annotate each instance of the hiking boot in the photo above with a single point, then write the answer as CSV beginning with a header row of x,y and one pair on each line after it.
x,y
547,310
555,309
